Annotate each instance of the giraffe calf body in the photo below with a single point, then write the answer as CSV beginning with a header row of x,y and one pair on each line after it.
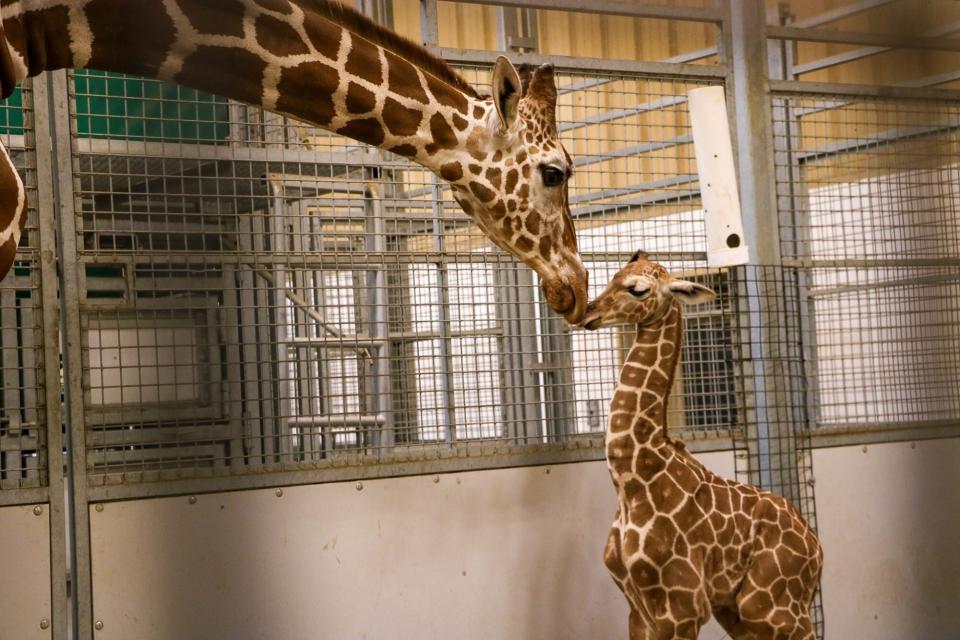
x,y
686,543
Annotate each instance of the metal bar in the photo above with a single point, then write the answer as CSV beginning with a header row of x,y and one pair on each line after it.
x,y
840,13
281,159
461,457
379,323
659,197
47,204
858,37
35,495
756,176
447,401
338,342
614,7
878,140
641,187
865,52
429,31
869,263
70,274
634,150
344,420
569,63
607,116
881,433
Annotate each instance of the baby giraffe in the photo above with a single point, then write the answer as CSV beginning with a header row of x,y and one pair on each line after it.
x,y
686,542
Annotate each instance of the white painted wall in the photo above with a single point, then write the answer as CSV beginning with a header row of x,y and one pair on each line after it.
x,y
889,521
511,554
24,572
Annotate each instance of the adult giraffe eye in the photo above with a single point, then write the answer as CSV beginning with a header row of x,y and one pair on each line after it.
x,y
639,292
552,177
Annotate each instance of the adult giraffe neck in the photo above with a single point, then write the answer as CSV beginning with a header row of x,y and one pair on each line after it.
x,y
638,411
310,59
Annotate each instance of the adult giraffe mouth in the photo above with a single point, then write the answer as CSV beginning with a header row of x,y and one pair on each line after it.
x,y
569,299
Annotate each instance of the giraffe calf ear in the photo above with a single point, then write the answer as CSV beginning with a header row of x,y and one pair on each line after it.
x,y
506,91
690,292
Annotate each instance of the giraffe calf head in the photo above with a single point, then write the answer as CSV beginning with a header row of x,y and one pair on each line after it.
x,y
642,293
513,177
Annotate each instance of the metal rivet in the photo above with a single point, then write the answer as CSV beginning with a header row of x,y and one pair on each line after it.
x,y
864,449
463,573
38,510
436,479
192,499
98,625
44,624
359,486
98,507
458,480
279,493
913,445
547,471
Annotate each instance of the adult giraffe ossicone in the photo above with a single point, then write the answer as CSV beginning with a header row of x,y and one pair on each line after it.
x,y
328,65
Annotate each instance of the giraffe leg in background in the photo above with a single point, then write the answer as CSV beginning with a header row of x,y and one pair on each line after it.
x,y
13,204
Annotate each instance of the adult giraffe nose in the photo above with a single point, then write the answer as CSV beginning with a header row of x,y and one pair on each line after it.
x,y
568,295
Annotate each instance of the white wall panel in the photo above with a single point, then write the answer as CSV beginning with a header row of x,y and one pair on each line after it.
x,y
24,573
512,553
889,521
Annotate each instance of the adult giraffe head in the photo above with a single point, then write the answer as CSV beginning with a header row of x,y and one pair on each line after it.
x,y
511,177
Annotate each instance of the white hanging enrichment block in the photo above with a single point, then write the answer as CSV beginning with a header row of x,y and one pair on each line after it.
x,y
718,178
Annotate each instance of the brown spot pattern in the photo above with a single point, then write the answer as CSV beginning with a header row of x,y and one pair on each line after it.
x,y
278,37
235,66
359,99
400,120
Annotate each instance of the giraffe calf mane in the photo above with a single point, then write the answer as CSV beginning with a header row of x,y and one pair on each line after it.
x,y
363,26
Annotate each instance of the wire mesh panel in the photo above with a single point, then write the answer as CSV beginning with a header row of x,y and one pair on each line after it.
x,y
23,461
259,294
868,196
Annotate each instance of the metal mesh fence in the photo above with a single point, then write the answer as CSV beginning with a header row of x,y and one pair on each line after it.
x,y
23,462
261,294
868,194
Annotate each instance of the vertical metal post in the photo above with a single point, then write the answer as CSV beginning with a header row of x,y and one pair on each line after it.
x,y
44,132
515,291
428,23
279,229
443,302
375,234
774,463
70,278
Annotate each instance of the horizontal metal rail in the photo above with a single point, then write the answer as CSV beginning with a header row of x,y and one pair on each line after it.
x,y
859,37
840,13
614,7
865,52
841,90
593,65
23,496
348,467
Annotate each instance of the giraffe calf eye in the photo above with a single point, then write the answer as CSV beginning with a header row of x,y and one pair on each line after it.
x,y
639,292
552,176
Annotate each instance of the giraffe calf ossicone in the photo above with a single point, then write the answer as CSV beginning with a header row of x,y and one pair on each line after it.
x,y
685,542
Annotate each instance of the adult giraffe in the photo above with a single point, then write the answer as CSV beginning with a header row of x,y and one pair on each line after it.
x,y
318,61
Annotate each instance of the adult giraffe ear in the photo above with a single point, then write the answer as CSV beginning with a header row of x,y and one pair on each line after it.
x,y
506,91
690,292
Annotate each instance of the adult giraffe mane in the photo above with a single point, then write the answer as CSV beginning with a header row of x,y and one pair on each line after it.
x,y
376,33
